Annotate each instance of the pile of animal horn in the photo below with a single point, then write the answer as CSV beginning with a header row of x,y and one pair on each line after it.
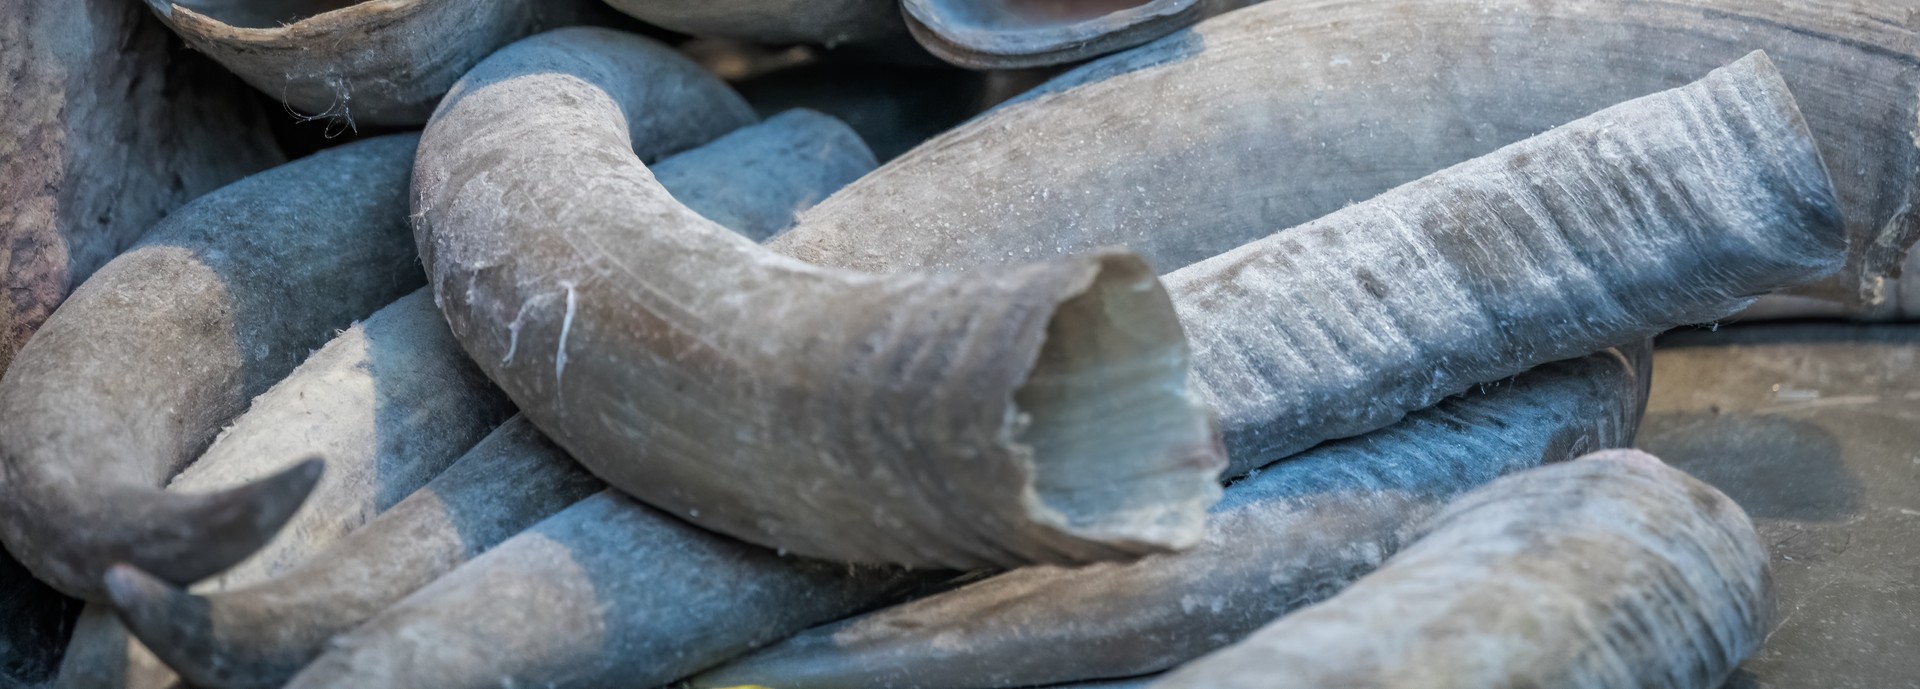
x,y
1289,340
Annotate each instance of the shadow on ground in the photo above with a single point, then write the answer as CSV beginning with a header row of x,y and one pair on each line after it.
x,y
1815,430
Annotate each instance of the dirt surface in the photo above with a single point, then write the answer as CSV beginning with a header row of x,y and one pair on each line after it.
x,y
1815,430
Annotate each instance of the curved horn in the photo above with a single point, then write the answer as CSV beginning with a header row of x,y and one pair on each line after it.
x,y
1280,113
380,63
390,403
259,635
1637,575
147,361
928,419
1012,34
1280,539
108,128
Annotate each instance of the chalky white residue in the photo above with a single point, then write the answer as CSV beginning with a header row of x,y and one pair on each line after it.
x,y
566,326
513,334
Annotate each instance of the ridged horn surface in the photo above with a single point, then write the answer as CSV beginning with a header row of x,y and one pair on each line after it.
x,y
557,649
928,419
1671,209
1277,114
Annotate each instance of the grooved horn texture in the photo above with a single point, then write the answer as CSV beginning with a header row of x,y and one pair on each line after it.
x,y
1274,115
1670,209
925,419
133,377
1284,537
1611,571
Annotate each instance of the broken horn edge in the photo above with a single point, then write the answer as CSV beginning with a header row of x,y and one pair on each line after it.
x,y
1815,196
1173,470
201,26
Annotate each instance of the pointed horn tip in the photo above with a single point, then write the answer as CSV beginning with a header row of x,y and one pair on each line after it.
x,y
270,501
278,497
292,485
307,472
230,526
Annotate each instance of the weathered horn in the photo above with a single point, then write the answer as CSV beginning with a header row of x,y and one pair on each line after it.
x,y
1547,249
1274,115
258,633
109,126
1037,415
146,362
1008,34
1282,538
565,652
702,598
389,403
383,62
1611,571
825,22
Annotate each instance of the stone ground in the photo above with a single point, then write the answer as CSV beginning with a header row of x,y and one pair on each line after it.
x,y
1815,430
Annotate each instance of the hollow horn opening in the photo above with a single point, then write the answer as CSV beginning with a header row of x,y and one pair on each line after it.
x,y
1109,420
